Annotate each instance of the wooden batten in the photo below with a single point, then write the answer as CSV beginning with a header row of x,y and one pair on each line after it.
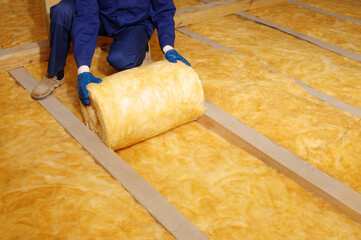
x,y
26,54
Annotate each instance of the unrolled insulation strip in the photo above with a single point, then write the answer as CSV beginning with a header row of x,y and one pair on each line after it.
x,y
310,177
324,97
176,223
325,11
347,53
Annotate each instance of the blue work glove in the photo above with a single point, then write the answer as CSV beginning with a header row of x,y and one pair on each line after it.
x,y
84,79
172,56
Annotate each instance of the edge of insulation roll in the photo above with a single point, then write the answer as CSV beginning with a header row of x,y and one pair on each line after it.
x,y
184,100
91,119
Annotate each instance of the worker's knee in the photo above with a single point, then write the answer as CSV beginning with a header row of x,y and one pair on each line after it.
x,y
62,13
121,62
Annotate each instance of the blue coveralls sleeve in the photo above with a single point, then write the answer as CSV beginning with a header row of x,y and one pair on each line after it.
x,y
162,14
85,30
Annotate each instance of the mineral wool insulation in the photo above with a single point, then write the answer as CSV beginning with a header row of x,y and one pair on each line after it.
x,y
278,108
216,185
21,22
339,32
351,8
133,105
50,188
321,69
226,192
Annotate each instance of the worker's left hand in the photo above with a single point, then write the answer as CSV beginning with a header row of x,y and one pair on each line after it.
x,y
83,80
172,56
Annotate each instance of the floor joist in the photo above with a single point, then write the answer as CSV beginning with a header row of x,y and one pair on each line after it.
x,y
22,55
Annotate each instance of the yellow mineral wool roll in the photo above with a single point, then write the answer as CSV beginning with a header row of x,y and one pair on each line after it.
x,y
133,105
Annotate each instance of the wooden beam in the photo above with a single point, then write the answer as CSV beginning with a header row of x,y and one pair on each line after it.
x,y
311,178
159,207
213,10
23,55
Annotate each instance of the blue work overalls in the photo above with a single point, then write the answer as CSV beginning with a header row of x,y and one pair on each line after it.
x,y
130,22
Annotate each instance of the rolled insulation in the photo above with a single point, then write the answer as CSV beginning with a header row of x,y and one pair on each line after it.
x,y
140,103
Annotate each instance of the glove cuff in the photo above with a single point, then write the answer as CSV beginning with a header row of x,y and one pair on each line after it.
x,y
167,48
83,68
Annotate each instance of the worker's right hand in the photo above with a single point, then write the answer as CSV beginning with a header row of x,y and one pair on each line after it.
x,y
172,56
83,80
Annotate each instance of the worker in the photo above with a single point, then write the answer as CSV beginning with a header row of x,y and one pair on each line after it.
x,y
129,22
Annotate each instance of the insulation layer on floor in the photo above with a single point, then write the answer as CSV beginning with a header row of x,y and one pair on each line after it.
x,y
321,69
50,188
351,8
226,192
216,185
230,194
179,4
281,110
339,32
22,22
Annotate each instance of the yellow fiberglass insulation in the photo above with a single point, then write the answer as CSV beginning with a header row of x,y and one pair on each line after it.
x,y
281,110
351,8
342,33
180,4
224,191
321,69
50,188
139,103
24,22
228,193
